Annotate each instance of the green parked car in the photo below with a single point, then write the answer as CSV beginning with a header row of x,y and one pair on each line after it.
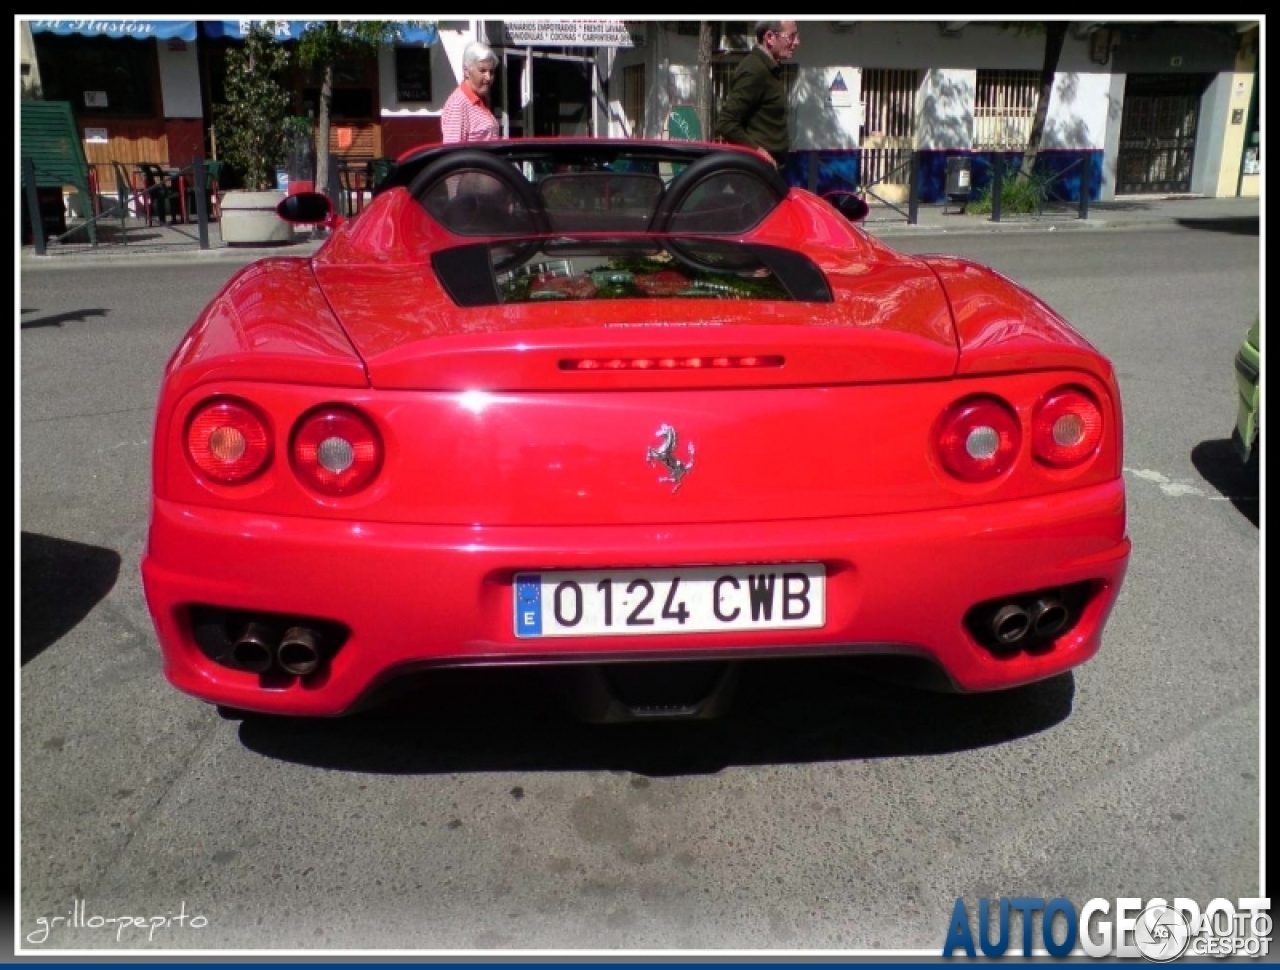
x,y
1247,434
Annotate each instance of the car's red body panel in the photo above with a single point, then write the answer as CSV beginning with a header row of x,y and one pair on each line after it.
x,y
499,455
442,595
499,458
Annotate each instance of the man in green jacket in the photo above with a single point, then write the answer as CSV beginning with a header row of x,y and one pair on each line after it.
x,y
754,112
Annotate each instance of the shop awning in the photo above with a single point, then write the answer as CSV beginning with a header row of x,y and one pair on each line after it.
x,y
412,33
118,27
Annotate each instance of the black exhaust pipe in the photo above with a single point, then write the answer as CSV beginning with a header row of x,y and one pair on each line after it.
x,y
1049,617
254,649
1010,624
298,653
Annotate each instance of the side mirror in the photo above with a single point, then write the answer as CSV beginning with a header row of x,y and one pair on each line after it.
x,y
309,208
850,205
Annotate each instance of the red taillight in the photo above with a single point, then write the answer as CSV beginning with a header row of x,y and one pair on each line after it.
x,y
1066,428
336,451
228,440
668,363
979,439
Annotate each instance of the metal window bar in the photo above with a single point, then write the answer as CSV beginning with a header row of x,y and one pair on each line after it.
x,y
889,98
1004,108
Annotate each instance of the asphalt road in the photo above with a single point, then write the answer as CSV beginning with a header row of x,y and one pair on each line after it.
x,y
827,811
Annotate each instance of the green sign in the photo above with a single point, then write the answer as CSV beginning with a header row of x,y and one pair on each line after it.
x,y
683,124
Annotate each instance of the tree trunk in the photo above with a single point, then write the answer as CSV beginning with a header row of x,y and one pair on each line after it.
x,y
322,131
1054,36
706,44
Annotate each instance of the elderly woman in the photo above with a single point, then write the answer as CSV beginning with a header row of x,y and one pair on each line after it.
x,y
466,115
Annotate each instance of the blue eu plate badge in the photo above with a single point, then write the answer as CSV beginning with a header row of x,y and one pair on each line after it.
x,y
528,605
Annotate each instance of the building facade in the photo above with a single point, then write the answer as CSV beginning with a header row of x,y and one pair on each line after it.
x,y
1137,108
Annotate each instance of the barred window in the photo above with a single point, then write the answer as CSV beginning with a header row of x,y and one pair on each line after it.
x,y
890,99
1004,107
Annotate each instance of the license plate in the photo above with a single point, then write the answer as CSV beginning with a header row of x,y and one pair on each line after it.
x,y
641,602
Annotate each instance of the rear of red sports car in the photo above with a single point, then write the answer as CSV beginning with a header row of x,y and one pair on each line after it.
x,y
595,403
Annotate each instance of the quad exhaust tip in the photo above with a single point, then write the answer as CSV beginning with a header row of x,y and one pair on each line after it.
x,y
259,649
297,653
1010,624
1027,620
1049,617
254,649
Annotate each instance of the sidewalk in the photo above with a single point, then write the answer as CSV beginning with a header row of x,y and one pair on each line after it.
x,y
181,242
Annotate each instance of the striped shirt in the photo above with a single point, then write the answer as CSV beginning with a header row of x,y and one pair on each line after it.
x,y
467,118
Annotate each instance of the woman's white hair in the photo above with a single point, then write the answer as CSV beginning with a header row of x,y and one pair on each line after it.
x,y
477,53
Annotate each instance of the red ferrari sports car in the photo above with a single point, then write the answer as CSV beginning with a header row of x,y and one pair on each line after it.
x,y
625,405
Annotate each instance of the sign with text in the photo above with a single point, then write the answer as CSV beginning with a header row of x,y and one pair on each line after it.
x,y
409,31
683,124
574,33
92,27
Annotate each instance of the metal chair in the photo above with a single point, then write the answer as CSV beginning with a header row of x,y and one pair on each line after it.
x,y
127,198
163,201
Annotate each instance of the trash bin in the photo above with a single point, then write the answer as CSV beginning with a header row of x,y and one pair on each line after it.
x,y
959,168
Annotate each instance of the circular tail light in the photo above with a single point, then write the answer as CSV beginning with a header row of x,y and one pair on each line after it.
x,y
336,451
1066,428
228,441
979,439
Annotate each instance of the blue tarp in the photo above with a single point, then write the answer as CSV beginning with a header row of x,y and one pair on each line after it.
x,y
118,27
411,33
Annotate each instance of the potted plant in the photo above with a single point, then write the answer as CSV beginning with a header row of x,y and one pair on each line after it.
x,y
251,131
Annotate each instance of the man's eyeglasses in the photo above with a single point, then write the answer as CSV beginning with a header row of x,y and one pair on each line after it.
x,y
790,38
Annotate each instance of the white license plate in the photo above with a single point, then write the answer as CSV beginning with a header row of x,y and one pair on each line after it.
x,y
640,602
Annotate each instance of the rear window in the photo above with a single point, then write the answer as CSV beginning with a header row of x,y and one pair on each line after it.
x,y
566,269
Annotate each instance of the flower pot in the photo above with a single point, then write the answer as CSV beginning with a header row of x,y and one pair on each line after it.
x,y
249,219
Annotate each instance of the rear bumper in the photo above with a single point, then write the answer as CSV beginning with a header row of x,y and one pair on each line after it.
x,y
414,596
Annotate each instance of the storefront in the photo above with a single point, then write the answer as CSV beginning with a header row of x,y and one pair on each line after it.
x,y
132,85
551,80
357,127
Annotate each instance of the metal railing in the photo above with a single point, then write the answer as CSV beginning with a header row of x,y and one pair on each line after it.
x,y
1040,185
125,203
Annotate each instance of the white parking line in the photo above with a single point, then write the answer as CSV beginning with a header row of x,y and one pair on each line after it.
x,y
1179,489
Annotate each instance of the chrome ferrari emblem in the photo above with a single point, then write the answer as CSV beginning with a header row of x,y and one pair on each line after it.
x,y
665,455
